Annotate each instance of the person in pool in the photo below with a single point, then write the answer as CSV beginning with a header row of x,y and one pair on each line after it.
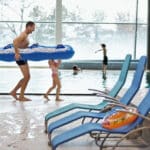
x,y
54,65
22,42
76,70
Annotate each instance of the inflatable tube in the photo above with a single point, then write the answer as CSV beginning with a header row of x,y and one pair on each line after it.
x,y
119,119
37,52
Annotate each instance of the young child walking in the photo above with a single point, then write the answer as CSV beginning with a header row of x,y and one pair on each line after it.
x,y
54,65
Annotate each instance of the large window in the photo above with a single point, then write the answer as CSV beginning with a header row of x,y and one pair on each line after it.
x,y
86,38
87,24
121,25
14,15
141,47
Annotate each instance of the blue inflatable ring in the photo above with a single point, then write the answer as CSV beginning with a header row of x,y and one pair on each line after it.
x,y
37,52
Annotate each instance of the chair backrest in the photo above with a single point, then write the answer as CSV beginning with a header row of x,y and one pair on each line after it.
x,y
122,77
136,82
143,108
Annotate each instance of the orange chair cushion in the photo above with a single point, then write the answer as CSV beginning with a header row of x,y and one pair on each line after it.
x,y
119,119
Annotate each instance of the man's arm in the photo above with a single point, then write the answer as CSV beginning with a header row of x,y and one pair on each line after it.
x,y
15,43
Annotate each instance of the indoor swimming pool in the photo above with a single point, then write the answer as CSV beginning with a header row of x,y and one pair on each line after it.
x,y
22,125
71,84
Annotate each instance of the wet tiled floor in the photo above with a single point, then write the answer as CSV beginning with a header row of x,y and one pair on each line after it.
x,y
22,123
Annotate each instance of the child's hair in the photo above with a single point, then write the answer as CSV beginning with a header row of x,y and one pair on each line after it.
x,y
103,45
75,67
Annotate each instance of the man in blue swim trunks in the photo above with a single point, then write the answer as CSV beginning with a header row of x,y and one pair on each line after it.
x,y
22,42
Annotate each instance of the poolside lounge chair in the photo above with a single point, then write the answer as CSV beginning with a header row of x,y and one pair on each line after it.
x,y
143,109
125,100
114,91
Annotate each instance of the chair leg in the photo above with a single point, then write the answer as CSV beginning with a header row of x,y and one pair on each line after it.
x,y
50,139
46,126
102,144
94,135
98,139
83,120
131,132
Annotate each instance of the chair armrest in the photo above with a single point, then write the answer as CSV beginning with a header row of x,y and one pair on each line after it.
x,y
119,104
99,91
138,114
109,98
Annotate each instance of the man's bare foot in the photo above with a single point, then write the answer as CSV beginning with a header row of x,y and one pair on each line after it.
x,y
46,97
22,99
14,95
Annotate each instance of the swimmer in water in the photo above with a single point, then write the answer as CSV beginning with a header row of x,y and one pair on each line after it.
x,y
54,65
22,42
76,69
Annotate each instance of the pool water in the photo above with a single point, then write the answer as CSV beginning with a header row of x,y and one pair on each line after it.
x,y
75,84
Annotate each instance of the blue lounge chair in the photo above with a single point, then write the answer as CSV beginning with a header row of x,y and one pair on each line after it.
x,y
126,99
114,91
143,109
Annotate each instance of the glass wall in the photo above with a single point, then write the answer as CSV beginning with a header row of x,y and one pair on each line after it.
x,y
86,24
141,48
121,25
13,16
13,19
86,38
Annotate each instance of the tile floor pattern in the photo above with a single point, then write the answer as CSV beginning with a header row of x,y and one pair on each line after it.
x,y
22,124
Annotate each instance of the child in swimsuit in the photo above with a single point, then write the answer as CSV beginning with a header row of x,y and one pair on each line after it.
x,y
54,65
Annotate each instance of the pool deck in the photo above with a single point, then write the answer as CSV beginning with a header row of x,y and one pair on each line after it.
x,y
22,123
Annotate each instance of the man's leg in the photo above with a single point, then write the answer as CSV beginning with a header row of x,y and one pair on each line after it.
x,y
14,91
26,74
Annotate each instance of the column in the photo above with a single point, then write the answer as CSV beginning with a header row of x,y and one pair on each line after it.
x,y
58,31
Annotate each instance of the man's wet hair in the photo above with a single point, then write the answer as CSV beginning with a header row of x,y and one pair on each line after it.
x,y
30,23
